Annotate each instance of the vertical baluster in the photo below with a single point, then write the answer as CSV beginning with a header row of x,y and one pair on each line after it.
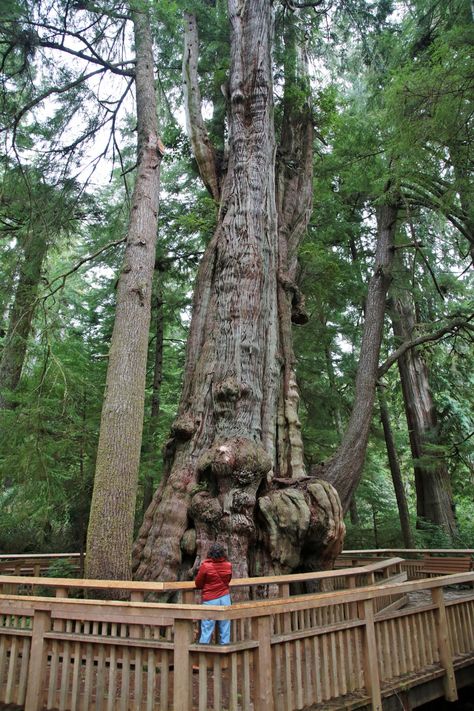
x,y
341,663
308,668
326,685
408,644
125,686
203,682
421,640
278,677
76,680
287,660
12,670
217,688
164,680
317,670
23,681
246,697
150,681
112,684
298,674
233,687
3,659
137,680
100,679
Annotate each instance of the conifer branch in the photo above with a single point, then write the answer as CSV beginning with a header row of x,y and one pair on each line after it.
x,y
454,326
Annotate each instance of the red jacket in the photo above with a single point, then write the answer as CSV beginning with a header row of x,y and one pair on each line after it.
x,y
213,578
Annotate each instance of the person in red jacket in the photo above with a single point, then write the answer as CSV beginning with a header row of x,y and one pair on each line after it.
x,y
213,578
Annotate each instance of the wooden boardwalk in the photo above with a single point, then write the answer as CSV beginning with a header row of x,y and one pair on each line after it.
x,y
355,644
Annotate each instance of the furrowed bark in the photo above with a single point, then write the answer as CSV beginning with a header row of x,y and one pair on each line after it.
x,y
110,532
294,195
225,454
432,481
149,483
21,315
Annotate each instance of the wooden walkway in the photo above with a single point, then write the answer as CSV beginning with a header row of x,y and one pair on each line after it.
x,y
356,644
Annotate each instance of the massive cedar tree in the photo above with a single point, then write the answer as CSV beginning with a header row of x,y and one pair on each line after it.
x,y
235,459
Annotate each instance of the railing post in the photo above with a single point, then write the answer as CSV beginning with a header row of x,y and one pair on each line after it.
x,y
370,656
136,596
445,651
182,690
263,672
41,624
189,597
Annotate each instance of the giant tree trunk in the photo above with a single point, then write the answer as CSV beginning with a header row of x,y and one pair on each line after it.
x,y
345,468
432,481
16,339
235,466
110,532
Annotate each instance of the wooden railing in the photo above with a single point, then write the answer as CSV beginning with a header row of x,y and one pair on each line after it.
x,y
286,653
418,563
377,572
36,564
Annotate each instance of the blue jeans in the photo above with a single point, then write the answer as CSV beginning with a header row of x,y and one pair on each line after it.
x,y
223,626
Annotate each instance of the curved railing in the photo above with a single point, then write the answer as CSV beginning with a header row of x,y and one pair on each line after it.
x,y
286,652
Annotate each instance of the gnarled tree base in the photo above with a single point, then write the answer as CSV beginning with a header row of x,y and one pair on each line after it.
x,y
268,528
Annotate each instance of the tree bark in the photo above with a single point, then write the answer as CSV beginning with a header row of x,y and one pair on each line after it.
x,y
16,339
344,470
432,481
149,483
110,532
395,471
237,428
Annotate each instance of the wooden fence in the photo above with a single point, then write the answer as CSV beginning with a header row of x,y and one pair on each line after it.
x,y
417,563
286,652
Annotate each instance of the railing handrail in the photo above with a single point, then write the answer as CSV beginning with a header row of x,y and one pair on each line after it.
x,y
254,608
421,551
160,586
34,556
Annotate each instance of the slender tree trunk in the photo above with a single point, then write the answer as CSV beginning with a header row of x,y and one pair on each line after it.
x,y
395,471
432,480
110,532
354,512
345,468
16,339
237,429
375,526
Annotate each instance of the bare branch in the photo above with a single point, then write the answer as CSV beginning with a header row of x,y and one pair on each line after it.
x,y
453,326
93,58
89,258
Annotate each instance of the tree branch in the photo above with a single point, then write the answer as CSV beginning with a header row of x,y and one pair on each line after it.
x,y
89,258
203,149
94,59
455,325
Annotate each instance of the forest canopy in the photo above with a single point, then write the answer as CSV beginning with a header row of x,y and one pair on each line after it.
x,y
236,253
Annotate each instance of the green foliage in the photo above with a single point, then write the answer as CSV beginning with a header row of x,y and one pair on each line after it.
x,y
391,98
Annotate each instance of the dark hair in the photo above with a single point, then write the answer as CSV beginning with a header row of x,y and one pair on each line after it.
x,y
217,551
